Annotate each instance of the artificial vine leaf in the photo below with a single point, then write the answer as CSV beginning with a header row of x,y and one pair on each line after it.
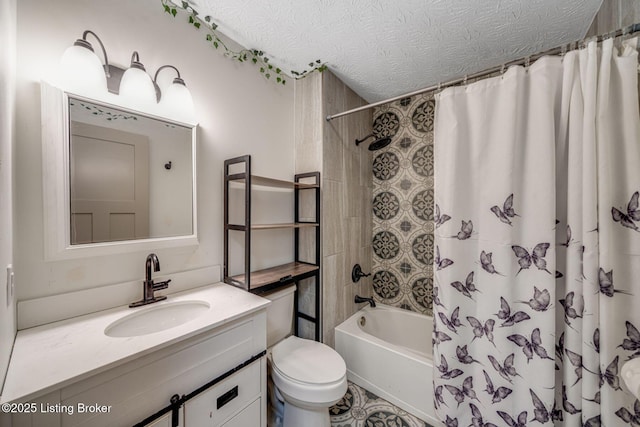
x,y
258,57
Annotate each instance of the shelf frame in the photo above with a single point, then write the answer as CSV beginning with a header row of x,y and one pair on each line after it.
x,y
271,278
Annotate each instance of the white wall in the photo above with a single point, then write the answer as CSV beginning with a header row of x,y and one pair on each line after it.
x,y
7,138
240,113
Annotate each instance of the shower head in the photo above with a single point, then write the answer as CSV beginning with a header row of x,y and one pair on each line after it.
x,y
377,144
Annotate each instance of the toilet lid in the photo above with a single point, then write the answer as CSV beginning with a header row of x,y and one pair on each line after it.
x,y
308,361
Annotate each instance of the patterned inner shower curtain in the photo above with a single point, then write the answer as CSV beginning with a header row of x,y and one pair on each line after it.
x,y
537,257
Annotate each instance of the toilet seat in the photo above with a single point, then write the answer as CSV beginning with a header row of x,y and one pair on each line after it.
x,y
308,372
308,361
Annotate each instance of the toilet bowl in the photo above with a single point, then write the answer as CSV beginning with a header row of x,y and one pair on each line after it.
x,y
310,377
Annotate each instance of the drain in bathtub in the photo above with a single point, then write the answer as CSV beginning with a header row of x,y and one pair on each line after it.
x,y
363,321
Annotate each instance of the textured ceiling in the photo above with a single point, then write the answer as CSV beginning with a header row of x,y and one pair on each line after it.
x,y
384,48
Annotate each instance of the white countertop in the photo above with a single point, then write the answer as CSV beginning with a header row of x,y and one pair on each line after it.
x,y
48,357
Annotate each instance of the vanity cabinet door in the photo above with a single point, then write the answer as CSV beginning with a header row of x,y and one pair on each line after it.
x,y
164,421
221,402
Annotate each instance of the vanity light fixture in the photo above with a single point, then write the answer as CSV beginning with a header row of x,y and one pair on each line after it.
x,y
80,68
136,87
176,101
82,73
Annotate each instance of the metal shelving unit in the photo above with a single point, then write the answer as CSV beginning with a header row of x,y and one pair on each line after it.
x,y
264,280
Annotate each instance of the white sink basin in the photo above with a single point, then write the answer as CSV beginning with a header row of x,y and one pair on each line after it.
x,y
156,319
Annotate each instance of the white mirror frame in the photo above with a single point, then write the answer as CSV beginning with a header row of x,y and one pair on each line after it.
x,y
55,185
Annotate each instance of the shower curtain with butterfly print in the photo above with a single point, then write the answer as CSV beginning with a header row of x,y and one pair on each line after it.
x,y
537,246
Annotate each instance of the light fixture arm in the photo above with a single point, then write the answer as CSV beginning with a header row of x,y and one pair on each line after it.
x,y
104,51
155,78
175,80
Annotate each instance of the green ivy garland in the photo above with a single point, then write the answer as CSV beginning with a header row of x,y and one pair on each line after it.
x,y
257,57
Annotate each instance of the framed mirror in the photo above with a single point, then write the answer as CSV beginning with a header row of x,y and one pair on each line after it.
x,y
114,180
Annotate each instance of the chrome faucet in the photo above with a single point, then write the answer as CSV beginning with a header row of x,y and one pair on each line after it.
x,y
358,299
149,287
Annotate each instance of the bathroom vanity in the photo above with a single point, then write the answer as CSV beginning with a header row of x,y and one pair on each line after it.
x,y
72,373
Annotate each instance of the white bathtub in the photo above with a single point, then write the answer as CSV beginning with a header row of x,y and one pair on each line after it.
x,y
388,352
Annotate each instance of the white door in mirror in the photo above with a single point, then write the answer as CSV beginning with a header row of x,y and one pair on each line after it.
x,y
631,376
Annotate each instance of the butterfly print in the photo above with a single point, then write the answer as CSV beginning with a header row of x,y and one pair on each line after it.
x,y
505,370
556,414
632,343
463,355
569,311
497,394
451,422
605,280
530,347
465,230
479,330
441,263
438,399
568,406
477,420
628,417
596,398
506,212
633,214
540,413
559,351
592,422
596,340
447,374
537,257
521,421
569,240
439,219
453,322
540,300
467,288
505,314
610,375
466,391
487,264
440,337
576,360
436,299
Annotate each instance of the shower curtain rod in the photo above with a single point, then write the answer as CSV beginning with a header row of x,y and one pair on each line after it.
x,y
558,50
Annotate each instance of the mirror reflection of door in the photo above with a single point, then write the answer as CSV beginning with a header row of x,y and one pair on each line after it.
x,y
109,176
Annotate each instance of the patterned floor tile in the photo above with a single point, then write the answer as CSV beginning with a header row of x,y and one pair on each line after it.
x,y
361,408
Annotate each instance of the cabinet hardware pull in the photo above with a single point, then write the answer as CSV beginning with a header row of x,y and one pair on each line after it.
x,y
227,397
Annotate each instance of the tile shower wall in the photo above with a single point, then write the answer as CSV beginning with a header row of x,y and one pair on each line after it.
x,y
402,237
346,189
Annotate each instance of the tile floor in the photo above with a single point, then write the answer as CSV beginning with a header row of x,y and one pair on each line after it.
x,y
361,408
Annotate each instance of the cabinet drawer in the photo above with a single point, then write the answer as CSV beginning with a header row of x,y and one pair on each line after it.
x,y
225,399
248,417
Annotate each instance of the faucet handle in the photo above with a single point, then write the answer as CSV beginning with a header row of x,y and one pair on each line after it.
x,y
161,285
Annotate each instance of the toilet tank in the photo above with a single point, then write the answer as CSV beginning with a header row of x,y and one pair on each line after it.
x,y
280,314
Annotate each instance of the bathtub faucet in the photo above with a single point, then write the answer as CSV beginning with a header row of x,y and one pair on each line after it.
x,y
358,299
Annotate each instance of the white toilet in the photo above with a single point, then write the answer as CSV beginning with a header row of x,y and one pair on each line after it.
x,y
308,376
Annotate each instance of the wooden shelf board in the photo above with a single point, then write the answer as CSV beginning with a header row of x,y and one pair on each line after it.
x,y
274,274
287,225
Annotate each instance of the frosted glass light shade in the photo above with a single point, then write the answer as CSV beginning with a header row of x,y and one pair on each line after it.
x,y
136,89
176,103
81,72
